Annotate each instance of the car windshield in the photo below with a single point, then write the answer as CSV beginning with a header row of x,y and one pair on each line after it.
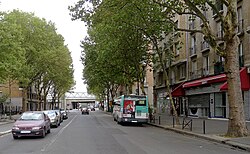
x,y
51,114
31,116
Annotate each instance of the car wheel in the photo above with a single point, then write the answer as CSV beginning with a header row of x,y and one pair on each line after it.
x,y
48,131
15,137
56,124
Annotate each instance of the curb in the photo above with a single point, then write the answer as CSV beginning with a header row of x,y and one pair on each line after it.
x,y
5,132
6,122
206,137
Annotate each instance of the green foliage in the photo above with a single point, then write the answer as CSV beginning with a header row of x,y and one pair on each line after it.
x,y
3,98
119,36
33,52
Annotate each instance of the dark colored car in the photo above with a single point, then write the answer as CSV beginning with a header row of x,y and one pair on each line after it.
x,y
65,114
31,123
85,110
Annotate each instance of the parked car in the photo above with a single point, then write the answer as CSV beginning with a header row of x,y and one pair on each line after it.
x,y
85,110
60,114
65,114
54,117
31,123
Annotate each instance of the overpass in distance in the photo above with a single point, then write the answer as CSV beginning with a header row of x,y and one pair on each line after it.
x,y
74,100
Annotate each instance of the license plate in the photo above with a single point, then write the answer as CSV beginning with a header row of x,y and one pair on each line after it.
x,y
25,131
134,121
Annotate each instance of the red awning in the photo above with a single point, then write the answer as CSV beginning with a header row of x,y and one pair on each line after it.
x,y
178,91
204,81
244,79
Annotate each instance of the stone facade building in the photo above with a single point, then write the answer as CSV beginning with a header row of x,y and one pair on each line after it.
x,y
197,74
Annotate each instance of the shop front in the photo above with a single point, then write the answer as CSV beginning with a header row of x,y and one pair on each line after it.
x,y
204,97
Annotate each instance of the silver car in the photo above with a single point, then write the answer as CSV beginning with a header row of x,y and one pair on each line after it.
x,y
60,114
54,117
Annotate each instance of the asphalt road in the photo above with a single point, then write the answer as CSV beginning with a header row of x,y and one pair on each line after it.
x,y
97,133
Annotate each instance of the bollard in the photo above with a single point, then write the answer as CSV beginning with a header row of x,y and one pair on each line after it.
x,y
173,121
204,127
159,120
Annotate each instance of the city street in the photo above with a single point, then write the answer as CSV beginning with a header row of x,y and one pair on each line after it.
x,y
97,133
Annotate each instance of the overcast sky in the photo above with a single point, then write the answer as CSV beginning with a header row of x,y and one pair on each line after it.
x,y
57,12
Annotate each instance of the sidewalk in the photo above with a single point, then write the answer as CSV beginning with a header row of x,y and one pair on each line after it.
x,y
211,129
6,124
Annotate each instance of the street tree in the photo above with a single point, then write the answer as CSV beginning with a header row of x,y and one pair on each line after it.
x,y
135,24
44,53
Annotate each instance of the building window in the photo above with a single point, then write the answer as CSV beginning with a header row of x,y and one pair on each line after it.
x,y
160,78
193,72
219,30
241,55
219,6
205,15
182,71
240,20
204,45
172,78
177,49
193,45
205,70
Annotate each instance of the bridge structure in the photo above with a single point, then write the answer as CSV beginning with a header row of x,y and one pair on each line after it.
x,y
74,100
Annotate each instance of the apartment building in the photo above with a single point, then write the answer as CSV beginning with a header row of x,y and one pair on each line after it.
x,y
15,97
197,74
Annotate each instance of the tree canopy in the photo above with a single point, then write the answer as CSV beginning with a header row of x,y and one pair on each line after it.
x,y
33,53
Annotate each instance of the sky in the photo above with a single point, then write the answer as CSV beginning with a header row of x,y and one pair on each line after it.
x,y
57,12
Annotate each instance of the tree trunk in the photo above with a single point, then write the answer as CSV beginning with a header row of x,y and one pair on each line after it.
x,y
24,100
45,102
237,123
177,121
142,88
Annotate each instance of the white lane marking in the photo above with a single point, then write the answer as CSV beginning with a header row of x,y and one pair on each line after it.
x,y
57,135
